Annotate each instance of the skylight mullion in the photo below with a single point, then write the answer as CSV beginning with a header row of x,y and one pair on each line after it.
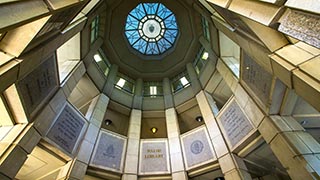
x,y
135,17
167,40
136,41
157,9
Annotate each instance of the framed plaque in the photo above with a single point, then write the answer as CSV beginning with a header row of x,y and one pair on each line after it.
x,y
67,130
109,151
197,148
234,124
256,78
38,85
154,157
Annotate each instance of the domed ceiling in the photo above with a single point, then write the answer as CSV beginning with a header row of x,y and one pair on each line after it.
x,y
130,41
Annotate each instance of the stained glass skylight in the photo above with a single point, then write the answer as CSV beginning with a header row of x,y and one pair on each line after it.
x,y
151,28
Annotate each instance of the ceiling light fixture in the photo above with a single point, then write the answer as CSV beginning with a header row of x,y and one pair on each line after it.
x,y
154,130
97,58
199,118
108,122
219,178
205,56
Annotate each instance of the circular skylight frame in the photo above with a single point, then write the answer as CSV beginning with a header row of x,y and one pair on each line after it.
x,y
151,28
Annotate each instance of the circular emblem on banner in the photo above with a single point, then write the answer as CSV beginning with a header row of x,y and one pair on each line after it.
x,y
196,147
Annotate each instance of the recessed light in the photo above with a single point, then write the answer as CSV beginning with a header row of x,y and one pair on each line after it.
x,y
154,130
199,118
107,122
219,178
304,122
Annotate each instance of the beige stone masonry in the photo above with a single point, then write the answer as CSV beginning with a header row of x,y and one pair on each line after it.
x,y
277,2
310,5
263,13
291,144
131,162
297,67
8,74
227,75
222,3
76,168
73,79
311,68
176,159
10,138
294,55
12,161
232,166
307,87
23,34
28,139
274,41
282,69
32,9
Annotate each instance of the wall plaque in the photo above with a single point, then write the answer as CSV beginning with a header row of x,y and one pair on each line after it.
x,y
154,157
235,125
38,84
67,129
197,148
109,151
257,78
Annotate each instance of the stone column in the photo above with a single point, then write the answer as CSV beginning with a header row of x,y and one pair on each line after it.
x,y
108,87
297,150
195,83
76,169
138,96
232,166
167,93
177,165
132,156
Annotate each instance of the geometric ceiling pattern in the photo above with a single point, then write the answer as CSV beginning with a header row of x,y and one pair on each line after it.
x,y
151,28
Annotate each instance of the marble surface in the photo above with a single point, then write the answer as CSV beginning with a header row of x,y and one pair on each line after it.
x,y
257,78
36,86
302,26
154,158
235,125
197,148
67,129
109,152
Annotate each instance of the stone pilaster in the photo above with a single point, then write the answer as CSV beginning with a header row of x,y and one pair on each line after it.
x,y
176,159
131,160
296,149
108,87
232,166
195,83
167,93
76,169
138,96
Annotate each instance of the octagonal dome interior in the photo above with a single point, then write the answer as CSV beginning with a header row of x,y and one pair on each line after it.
x,y
159,90
152,67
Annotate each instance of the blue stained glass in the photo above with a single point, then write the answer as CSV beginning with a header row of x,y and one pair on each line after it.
x,y
151,8
132,36
138,12
170,35
151,28
132,23
163,45
141,44
163,12
152,48
170,22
